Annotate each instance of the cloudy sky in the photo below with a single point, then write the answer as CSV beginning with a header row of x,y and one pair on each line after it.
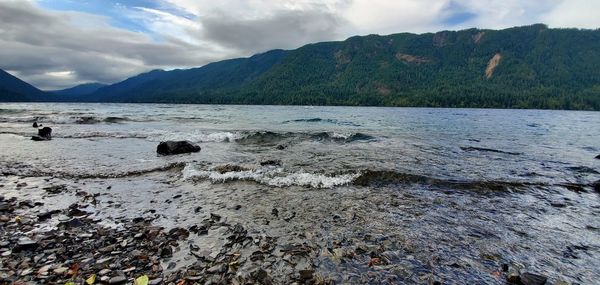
x,y
54,44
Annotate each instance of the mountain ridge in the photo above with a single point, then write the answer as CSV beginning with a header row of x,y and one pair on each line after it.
x,y
521,67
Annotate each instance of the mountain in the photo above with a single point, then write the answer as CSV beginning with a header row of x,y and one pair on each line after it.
x,y
13,89
522,67
187,86
80,90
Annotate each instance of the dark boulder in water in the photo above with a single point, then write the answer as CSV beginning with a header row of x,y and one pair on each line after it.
x,y
598,156
44,134
35,125
176,147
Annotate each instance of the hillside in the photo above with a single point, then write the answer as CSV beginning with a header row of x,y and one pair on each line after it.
x,y
79,90
13,89
523,67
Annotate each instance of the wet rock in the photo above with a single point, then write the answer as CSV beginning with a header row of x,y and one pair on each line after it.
x,y
533,279
44,134
598,156
35,124
280,147
270,163
166,251
176,147
217,269
275,212
25,243
262,277
306,274
558,204
596,186
513,276
117,280
222,169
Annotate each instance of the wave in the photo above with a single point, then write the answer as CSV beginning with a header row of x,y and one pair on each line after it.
x,y
266,137
319,120
277,177
270,176
60,174
481,149
64,120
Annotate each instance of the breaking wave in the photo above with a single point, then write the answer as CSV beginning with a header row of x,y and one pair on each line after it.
x,y
278,177
266,137
275,177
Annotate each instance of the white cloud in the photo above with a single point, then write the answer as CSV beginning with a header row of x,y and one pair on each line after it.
x,y
575,14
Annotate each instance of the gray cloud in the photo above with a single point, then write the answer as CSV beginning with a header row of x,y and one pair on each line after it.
x,y
282,29
37,44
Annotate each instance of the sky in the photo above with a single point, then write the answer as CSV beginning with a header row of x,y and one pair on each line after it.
x,y
55,44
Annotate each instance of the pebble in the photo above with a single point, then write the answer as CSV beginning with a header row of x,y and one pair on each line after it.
x,y
61,270
117,280
104,260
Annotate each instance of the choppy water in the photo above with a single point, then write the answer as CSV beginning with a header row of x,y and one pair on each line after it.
x,y
456,192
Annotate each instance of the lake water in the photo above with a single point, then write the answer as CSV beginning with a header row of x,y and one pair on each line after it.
x,y
445,194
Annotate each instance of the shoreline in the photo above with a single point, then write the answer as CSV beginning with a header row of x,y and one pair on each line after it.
x,y
222,240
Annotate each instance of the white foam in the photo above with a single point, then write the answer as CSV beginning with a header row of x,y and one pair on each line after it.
x,y
271,176
202,136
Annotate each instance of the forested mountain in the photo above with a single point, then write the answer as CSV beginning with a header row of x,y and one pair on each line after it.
x,y
13,89
80,90
524,67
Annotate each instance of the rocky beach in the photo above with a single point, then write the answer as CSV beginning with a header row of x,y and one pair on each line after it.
x,y
373,199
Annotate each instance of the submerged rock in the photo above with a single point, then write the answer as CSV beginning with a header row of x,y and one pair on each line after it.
x,y
533,279
222,169
44,134
176,147
596,186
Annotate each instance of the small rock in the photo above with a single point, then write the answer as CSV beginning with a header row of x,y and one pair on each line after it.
x,y
306,274
60,270
104,260
155,281
25,243
219,268
117,280
513,276
270,163
26,272
598,156
533,279
596,186
105,271
166,251
35,124
222,169
558,204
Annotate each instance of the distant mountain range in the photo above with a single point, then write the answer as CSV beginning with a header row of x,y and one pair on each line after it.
x,y
80,90
523,67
